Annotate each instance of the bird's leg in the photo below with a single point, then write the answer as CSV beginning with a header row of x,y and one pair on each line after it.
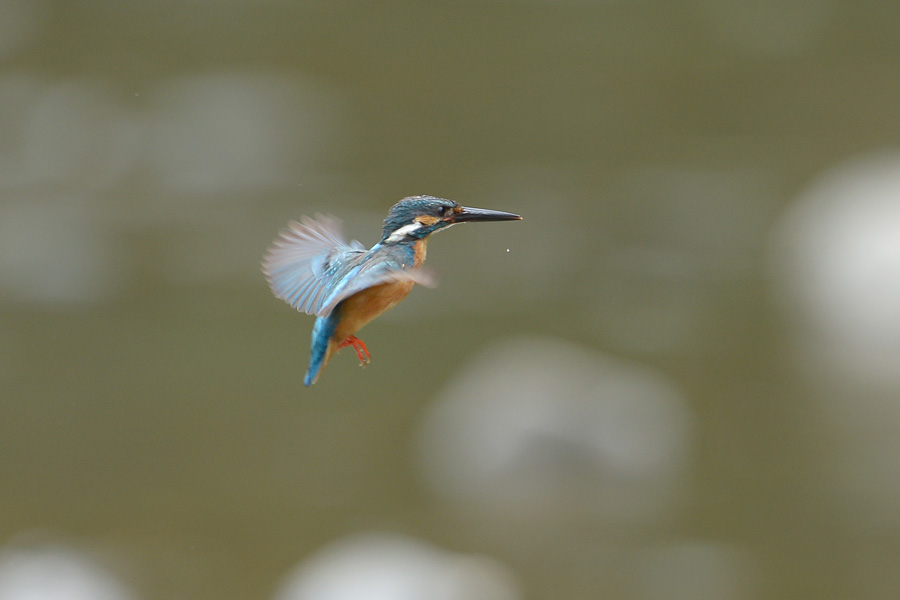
x,y
362,353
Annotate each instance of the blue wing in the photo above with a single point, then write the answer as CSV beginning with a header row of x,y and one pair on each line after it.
x,y
304,260
381,264
312,268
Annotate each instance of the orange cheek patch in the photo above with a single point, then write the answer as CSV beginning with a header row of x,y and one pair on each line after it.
x,y
426,220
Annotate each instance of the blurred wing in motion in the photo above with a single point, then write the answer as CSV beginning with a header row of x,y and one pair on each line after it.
x,y
305,261
312,268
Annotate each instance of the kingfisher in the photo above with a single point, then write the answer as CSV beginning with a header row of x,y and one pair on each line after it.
x,y
345,286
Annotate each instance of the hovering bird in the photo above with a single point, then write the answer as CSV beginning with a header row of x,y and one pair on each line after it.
x,y
345,286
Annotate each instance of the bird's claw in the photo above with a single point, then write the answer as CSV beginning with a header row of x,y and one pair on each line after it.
x,y
362,353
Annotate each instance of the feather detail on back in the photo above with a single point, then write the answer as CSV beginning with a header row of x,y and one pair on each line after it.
x,y
312,268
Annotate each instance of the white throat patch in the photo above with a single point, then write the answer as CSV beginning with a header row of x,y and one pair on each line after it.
x,y
402,232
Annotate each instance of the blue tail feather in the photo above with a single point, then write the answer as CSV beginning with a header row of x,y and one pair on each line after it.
x,y
321,335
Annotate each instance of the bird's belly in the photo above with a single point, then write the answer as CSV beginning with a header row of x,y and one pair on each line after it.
x,y
362,307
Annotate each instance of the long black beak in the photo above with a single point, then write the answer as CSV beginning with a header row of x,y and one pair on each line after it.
x,y
481,214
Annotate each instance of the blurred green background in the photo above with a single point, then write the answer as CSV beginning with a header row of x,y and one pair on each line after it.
x,y
677,378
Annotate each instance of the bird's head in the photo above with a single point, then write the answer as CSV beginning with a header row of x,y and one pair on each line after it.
x,y
417,217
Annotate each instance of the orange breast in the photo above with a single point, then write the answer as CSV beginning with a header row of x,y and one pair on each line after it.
x,y
362,307
419,257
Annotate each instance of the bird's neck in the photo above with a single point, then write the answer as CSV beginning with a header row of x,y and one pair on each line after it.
x,y
419,249
410,248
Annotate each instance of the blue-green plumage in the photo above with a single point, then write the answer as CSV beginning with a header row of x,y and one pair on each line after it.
x,y
322,331
393,256
344,285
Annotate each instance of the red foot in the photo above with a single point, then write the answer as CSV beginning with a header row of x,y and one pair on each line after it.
x,y
362,353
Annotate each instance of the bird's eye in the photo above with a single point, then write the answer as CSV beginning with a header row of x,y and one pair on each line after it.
x,y
444,210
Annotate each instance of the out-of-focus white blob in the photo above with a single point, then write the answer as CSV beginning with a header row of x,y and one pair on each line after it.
x,y
235,132
375,566
538,428
835,263
769,27
74,133
55,252
18,21
56,574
